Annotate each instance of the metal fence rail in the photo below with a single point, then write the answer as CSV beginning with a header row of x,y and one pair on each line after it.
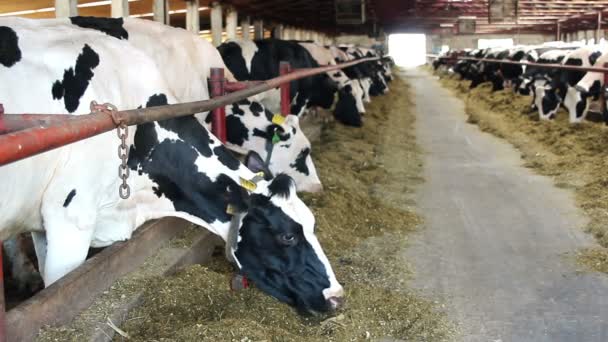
x,y
50,133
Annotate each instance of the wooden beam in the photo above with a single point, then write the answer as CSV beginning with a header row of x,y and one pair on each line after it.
x,y
120,8
160,8
193,16
216,23
258,27
277,31
231,22
245,27
66,8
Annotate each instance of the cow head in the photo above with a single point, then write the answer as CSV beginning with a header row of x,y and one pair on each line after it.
x,y
577,100
281,142
547,100
323,91
182,170
347,111
272,240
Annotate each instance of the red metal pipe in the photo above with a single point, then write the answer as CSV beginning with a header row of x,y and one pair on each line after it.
x,y
284,69
17,122
218,123
26,143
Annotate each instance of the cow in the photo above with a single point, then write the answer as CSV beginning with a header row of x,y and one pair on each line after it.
x,y
370,69
350,104
177,168
259,60
536,76
352,72
578,97
549,98
184,59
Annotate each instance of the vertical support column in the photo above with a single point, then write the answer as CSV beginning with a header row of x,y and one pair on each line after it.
x,y
598,30
193,16
120,8
258,29
245,26
66,8
558,32
218,122
161,11
231,22
216,23
277,31
284,69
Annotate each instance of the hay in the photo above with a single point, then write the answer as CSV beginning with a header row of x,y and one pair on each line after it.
x,y
575,156
363,218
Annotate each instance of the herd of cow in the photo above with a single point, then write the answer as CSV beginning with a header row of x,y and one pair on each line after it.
x,y
178,168
550,88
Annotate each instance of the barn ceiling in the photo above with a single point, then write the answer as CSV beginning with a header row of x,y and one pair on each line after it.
x,y
391,15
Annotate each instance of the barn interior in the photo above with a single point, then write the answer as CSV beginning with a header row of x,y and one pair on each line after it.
x,y
451,215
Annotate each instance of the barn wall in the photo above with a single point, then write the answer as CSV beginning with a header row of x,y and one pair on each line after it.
x,y
434,42
362,40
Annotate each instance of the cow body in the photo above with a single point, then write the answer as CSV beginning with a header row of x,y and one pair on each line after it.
x,y
177,168
184,61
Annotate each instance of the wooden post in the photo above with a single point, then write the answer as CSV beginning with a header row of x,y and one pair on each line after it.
x,y
599,28
277,31
258,29
231,22
216,23
245,27
558,33
66,8
161,11
193,16
120,8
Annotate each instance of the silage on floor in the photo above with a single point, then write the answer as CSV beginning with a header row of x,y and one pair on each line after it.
x,y
362,223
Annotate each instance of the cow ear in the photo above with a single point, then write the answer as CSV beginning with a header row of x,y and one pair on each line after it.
x,y
254,162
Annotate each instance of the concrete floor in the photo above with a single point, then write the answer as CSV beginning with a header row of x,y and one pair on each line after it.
x,y
496,234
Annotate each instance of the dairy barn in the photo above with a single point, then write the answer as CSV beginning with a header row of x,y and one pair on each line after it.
x,y
306,170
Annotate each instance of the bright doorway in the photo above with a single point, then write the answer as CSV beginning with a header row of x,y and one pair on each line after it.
x,y
407,49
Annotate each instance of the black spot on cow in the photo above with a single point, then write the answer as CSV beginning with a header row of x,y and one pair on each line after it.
x,y
226,158
281,185
236,110
232,54
338,74
580,107
244,102
268,115
293,129
256,108
300,163
111,26
10,53
594,56
550,101
157,100
68,199
236,132
76,80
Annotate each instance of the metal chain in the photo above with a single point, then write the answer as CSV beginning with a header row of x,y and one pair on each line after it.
x,y
122,130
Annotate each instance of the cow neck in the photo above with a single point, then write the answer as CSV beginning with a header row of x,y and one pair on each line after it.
x,y
269,146
233,238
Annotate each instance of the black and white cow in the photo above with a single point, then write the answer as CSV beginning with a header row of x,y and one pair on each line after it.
x,y
372,69
178,169
259,60
549,98
579,97
353,72
184,60
350,104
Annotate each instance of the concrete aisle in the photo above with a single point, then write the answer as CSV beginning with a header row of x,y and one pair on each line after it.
x,y
496,233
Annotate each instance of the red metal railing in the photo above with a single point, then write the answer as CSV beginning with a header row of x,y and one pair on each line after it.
x,y
24,143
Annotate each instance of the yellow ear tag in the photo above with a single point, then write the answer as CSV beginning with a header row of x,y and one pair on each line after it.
x,y
278,119
230,210
247,184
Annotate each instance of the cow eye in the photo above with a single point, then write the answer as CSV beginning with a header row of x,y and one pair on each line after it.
x,y
287,239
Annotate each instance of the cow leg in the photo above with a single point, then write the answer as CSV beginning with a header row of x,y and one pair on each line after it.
x,y
39,239
22,268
